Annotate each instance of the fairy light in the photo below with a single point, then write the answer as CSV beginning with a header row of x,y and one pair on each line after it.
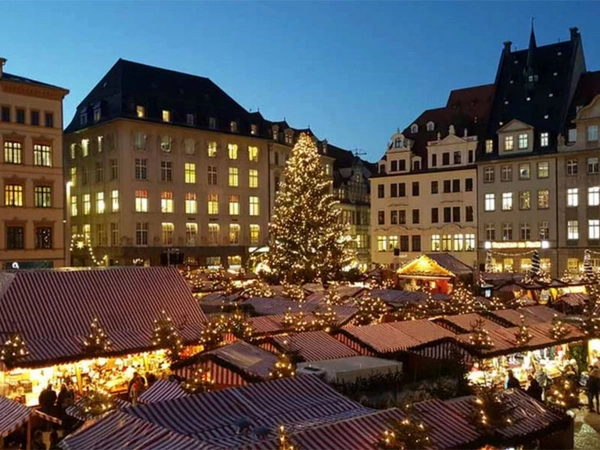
x,y
200,382
369,310
13,350
211,335
293,292
166,336
283,368
283,439
96,341
461,301
258,288
82,242
479,337
523,336
407,433
96,401
558,330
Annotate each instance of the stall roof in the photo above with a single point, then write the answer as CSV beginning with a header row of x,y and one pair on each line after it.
x,y
464,322
273,306
382,338
243,358
53,309
314,346
423,330
397,298
449,262
513,316
13,416
162,390
425,267
573,299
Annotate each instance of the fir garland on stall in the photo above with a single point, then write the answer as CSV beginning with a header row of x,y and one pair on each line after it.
x,y
13,350
96,342
200,382
523,336
166,336
283,368
559,330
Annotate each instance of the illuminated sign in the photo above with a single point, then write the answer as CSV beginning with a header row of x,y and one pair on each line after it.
x,y
517,244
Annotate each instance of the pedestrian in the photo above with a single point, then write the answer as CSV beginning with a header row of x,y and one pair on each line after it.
x,y
512,382
534,390
47,399
593,389
135,377
136,390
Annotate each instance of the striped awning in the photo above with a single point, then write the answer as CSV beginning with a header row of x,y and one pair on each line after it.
x,y
245,358
76,410
383,338
422,330
464,322
126,301
162,390
275,306
573,300
12,416
314,346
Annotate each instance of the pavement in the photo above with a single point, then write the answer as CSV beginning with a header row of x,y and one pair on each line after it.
x,y
587,430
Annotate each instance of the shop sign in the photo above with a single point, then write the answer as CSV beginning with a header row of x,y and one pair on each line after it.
x,y
516,244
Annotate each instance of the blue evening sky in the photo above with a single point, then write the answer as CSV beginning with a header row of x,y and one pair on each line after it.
x,y
354,71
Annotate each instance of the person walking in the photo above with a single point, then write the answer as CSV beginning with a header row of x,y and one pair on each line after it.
x,y
47,400
534,390
593,389
512,382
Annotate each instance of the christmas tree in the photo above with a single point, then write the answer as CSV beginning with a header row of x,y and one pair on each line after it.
x,y
166,336
523,335
236,324
200,382
258,289
535,264
96,402
491,412
564,391
406,434
558,330
97,341
13,350
285,442
332,297
479,337
308,241
591,314
370,310
326,319
211,335
461,301
283,367
293,291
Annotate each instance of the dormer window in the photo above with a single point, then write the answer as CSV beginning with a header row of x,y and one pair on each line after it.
x,y
253,129
414,128
523,141
430,126
532,78
83,118
212,123
489,146
190,120
288,138
509,143
275,133
417,165
398,143
166,115
97,113
140,111
233,126
544,139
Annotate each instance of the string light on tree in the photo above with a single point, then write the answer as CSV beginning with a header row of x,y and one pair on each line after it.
x,y
406,434
369,310
13,350
284,441
283,368
326,319
236,324
293,292
491,412
211,335
332,297
559,330
479,337
461,301
523,336
96,342
258,289
95,402
200,382
166,336
564,392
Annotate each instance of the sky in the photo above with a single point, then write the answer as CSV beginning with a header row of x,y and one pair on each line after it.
x,y
354,71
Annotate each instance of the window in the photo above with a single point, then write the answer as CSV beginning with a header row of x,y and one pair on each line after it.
x,y
165,144
140,111
489,146
430,126
455,185
398,142
214,229
114,234
191,205
416,243
435,215
573,265
523,141
100,140
232,151
543,199
402,217
507,232
414,128
15,238
401,190
433,160
435,242
471,156
393,243
191,232
5,117
21,116
213,204
415,216
524,200
381,243
490,232
141,170
87,204
73,175
166,202
592,133
593,229
13,195
211,149
73,205
212,123
42,196
253,153
488,175
234,234
254,234
572,167
394,217
73,150
458,242
594,196
394,167
415,189
234,205
509,143
233,177
212,175
469,216
35,118
573,197
139,141
190,173
141,200
447,214
572,137
100,205
99,172
168,231
592,164
572,230
506,173
434,187
381,217
166,171
524,171
254,206
525,231
469,185
84,176
43,237
393,190
114,169
166,115
446,242
190,120
490,202
469,242
114,200
253,129
85,147
543,170
445,159
456,214
189,146
13,152
544,230
544,138
457,157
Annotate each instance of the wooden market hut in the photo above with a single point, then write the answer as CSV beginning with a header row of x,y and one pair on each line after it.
x,y
437,271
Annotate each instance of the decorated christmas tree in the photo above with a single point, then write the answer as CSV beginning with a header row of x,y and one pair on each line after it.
x,y
200,382
564,391
332,297
283,367
236,324
523,335
96,342
258,289
285,442
405,434
293,291
479,337
462,301
491,413
326,319
13,349
535,264
211,335
590,324
308,241
370,310
166,336
559,330
96,402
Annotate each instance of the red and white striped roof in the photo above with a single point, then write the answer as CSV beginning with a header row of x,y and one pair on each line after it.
x,y
53,309
383,338
532,315
276,306
162,390
12,416
76,410
314,346
244,358
423,330
467,321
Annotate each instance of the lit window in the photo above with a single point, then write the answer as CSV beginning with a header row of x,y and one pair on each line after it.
x,y
232,151
140,111
253,129
234,205
592,164
435,242
543,169
593,229
214,230
212,175
211,149
572,137
524,200
233,177
213,204
114,200
509,143
166,202
524,232
114,169
13,152
168,231
254,234
253,154
573,265
191,233
166,115
488,175
87,204
573,197
190,173
42,196
507,232
489,146
253,178
524,171
543,199
100,206
381,243
43,237
73,150
469,242
85,147
233,126
544,139
507,201
191,205
592,133
13,195
139,141
165,144
572,229
523,141
141,200
458,243
234,234
572,167
490,202
544,229
73,206
594,196
254,206
189,146
100,144
446,242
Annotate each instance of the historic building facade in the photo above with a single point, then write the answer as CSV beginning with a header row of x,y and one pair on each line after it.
x,y
31,171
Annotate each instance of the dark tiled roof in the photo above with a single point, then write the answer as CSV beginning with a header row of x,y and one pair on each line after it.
x,y
587,89
23,80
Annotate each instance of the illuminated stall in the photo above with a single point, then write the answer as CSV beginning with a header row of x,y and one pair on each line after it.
x,y
436,272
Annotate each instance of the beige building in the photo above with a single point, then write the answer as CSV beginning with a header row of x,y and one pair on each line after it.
x,y
179,176
31,170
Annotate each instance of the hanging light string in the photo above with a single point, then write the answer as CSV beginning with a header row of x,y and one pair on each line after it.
x,y
81,241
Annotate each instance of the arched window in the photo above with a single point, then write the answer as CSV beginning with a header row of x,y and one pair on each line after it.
x,y
398,142
414,128
417,165
430,126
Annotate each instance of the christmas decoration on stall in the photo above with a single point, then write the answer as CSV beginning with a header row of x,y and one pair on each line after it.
x,y
491,411
405,434
13,350
285,442
567,277
369,310
200,382
283,368
588,269
97,341
293,291
326,319
558,330
259,289
82,242
410,311
95,402
332,297
308,241
166,336
236,324
479,337
523,336
564,391
590,324
211,335
535,264
461,301
288,318
489,262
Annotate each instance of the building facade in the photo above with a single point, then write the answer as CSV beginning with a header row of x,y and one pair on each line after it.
x,y
165,168
31,169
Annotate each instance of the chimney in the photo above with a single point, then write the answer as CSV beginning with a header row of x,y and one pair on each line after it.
x,y
507,45
574,33
2,62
